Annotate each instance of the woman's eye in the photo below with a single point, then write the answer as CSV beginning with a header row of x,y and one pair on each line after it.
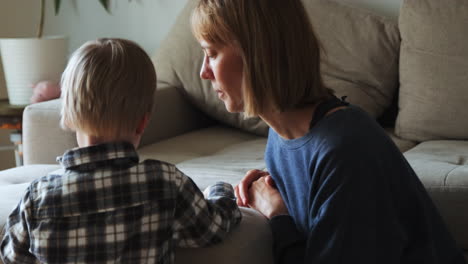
x,y
210,54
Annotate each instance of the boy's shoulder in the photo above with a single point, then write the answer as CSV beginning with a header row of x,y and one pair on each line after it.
x,y
47,181
153,165
162,170
60,176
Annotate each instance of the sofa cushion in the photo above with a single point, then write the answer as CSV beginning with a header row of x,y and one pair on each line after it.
x,y
211,154
433,70
361,61
442,167
249,243
402,144
361,52
43,139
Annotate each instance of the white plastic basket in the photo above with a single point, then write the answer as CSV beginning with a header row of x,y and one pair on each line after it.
x,y
27,61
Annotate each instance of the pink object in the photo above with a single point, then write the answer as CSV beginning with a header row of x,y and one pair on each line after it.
x,y
44,91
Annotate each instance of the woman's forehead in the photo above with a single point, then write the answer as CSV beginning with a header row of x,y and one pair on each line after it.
x,y
205,44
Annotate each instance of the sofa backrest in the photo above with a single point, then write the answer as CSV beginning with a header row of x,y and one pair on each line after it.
x,y
361,51
360,60
433,70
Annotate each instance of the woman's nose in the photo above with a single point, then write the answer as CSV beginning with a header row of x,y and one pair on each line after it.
x,y
205,72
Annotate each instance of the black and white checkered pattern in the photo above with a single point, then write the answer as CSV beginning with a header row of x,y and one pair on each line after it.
x,y
105,207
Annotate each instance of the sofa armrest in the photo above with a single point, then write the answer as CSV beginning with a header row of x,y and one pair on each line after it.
x,y
44,140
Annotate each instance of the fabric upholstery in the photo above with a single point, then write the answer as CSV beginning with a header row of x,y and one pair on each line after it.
x,y
249,243
433,70
442,166
43,139
211,154
402,144
361,52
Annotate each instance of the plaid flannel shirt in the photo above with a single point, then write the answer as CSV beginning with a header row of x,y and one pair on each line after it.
x,y
105,207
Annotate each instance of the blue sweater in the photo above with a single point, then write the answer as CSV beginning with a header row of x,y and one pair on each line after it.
x,y
352,198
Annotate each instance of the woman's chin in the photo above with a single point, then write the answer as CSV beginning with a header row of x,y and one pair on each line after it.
x,y
233,109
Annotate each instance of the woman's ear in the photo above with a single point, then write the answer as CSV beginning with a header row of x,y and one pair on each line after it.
x,y
142,124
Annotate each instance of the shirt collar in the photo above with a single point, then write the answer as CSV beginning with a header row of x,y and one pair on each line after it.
x,y
92,157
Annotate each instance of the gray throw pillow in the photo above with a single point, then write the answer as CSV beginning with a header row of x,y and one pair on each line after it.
x,y
361,52
433,70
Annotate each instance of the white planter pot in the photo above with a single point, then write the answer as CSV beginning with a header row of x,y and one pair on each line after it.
x,y
28,61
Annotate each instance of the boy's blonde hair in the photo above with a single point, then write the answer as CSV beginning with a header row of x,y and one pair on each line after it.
x,y
278,46
107,88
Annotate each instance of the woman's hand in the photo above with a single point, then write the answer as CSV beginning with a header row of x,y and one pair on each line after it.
x,y
266,199
242,189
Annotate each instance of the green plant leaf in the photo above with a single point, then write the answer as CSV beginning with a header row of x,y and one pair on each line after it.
x,y
57,6
105,4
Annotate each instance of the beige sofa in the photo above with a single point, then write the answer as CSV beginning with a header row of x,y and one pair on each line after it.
x,y
411,75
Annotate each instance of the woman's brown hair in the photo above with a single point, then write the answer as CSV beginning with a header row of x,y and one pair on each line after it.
x,y
278,46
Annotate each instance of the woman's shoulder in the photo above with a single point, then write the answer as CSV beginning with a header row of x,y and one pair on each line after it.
x,y
349,128
351,123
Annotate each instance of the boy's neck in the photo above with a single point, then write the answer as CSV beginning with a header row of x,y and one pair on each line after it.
x,y
85,140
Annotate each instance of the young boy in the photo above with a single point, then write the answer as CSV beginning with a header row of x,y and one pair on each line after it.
x,y
104,206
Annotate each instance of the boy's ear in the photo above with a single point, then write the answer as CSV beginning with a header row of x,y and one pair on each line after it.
x,y
142,124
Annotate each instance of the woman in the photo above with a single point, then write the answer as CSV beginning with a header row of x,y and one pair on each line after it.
x,y
337,189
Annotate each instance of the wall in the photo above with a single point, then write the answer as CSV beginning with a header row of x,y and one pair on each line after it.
x,y
144,21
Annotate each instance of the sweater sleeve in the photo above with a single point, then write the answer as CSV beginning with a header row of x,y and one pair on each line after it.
x,y
288,243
